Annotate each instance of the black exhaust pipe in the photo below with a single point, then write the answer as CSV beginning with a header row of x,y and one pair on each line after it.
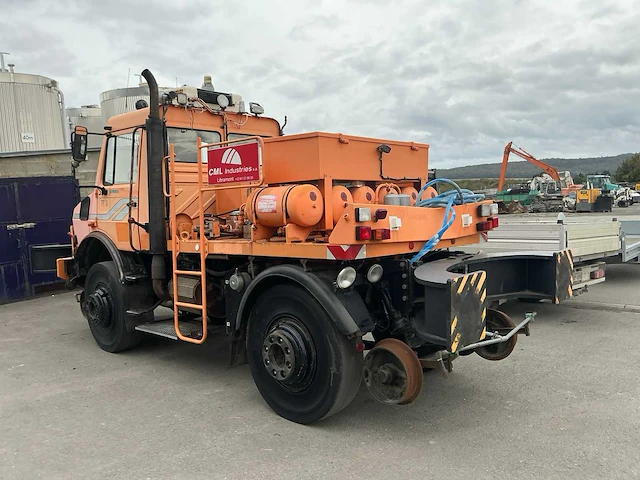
x,y
157,225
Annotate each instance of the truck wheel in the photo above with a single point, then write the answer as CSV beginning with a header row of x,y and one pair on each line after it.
x,y
105,310
304,368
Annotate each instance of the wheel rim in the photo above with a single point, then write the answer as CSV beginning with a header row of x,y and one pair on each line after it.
x,y
392,372
100,308
288,353
498,351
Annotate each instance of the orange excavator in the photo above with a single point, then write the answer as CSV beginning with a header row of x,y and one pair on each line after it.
x,y
565,179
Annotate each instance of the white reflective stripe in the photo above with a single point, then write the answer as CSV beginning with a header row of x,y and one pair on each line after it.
x,y
107,216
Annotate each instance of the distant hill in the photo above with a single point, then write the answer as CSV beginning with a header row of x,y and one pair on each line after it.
x,y
523,169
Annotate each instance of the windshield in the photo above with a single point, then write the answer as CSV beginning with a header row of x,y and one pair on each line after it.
x,y
600,182
184,141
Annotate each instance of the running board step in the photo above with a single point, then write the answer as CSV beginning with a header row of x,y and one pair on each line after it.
x,y
165,328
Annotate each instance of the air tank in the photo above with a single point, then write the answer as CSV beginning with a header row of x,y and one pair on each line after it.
x,y
89,116
301,205
341,198
363,194
31,113
412,192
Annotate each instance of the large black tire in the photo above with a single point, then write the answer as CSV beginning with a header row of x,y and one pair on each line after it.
x,y
104,306
324,366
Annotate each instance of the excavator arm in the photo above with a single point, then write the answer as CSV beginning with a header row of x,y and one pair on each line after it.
x,y
509,148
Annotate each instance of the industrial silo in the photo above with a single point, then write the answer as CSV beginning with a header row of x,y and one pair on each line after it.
x,y
89,116
31,113
122,100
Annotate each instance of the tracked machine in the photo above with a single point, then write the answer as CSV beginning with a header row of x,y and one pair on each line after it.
x,y
305,251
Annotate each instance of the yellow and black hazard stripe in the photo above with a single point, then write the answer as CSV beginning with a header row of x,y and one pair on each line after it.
x,y
468,309
564,276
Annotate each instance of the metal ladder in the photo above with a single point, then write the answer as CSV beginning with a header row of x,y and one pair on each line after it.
x,y
201,246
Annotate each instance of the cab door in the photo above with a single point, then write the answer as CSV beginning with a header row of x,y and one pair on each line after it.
x,y
120,180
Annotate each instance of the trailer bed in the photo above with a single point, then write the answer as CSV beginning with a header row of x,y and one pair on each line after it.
x,y
593,241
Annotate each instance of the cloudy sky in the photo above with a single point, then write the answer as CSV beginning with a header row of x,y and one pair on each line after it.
x,y
561,79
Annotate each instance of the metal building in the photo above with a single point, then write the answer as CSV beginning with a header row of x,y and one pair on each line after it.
x,y
122,100
32,114
89,116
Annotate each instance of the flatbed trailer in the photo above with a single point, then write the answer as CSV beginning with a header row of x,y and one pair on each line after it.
x,y
594,243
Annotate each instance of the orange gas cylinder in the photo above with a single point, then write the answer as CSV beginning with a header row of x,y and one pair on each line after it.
x,y
385,189
341,197
277,206
430,192
363,194
412,192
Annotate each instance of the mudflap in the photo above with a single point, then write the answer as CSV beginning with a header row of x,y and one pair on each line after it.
x,y
456,307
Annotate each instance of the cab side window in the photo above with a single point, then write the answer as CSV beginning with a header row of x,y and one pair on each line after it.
x,y
121,149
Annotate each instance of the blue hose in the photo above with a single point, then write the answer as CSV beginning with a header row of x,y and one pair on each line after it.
x,y
448,199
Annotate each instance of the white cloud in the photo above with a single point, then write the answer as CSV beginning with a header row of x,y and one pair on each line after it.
x,y
559,78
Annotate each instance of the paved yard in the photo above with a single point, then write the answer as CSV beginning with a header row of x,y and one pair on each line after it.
x,y
566,404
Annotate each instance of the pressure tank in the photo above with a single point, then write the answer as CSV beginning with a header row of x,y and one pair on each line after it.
x,y
412,192
363,194
301,205
385,189
430,192
341,197
397,199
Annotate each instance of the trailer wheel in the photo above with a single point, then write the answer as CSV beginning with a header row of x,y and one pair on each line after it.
x,y
103,305
498,351
304,368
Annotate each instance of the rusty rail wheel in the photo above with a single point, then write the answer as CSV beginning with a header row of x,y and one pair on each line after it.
x,y
392,372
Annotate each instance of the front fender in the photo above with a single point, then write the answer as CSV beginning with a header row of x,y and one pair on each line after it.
x,y
98,247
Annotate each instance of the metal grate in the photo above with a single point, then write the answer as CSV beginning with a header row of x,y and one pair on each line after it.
x,y
165,328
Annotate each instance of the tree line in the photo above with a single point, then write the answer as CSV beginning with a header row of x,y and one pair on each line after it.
x,y
629,170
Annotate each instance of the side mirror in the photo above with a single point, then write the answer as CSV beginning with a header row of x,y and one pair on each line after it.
x,y
79,144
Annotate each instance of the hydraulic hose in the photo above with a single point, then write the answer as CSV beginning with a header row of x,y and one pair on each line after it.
x,y
457,196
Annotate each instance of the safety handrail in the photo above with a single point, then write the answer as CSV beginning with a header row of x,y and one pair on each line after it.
x,y
202,247
260,181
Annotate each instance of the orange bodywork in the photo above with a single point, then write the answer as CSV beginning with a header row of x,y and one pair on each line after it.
x,y
354,166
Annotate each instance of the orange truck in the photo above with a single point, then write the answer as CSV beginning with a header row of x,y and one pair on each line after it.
x,y
306,250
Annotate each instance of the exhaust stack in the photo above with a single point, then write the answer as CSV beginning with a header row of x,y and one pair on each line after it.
x,y
157,224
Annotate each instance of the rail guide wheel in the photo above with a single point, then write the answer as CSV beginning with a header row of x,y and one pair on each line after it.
x,y
500,322
392,372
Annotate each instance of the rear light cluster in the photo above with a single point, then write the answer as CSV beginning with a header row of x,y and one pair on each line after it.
x,y
363,214
487,209
368,233
490,224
